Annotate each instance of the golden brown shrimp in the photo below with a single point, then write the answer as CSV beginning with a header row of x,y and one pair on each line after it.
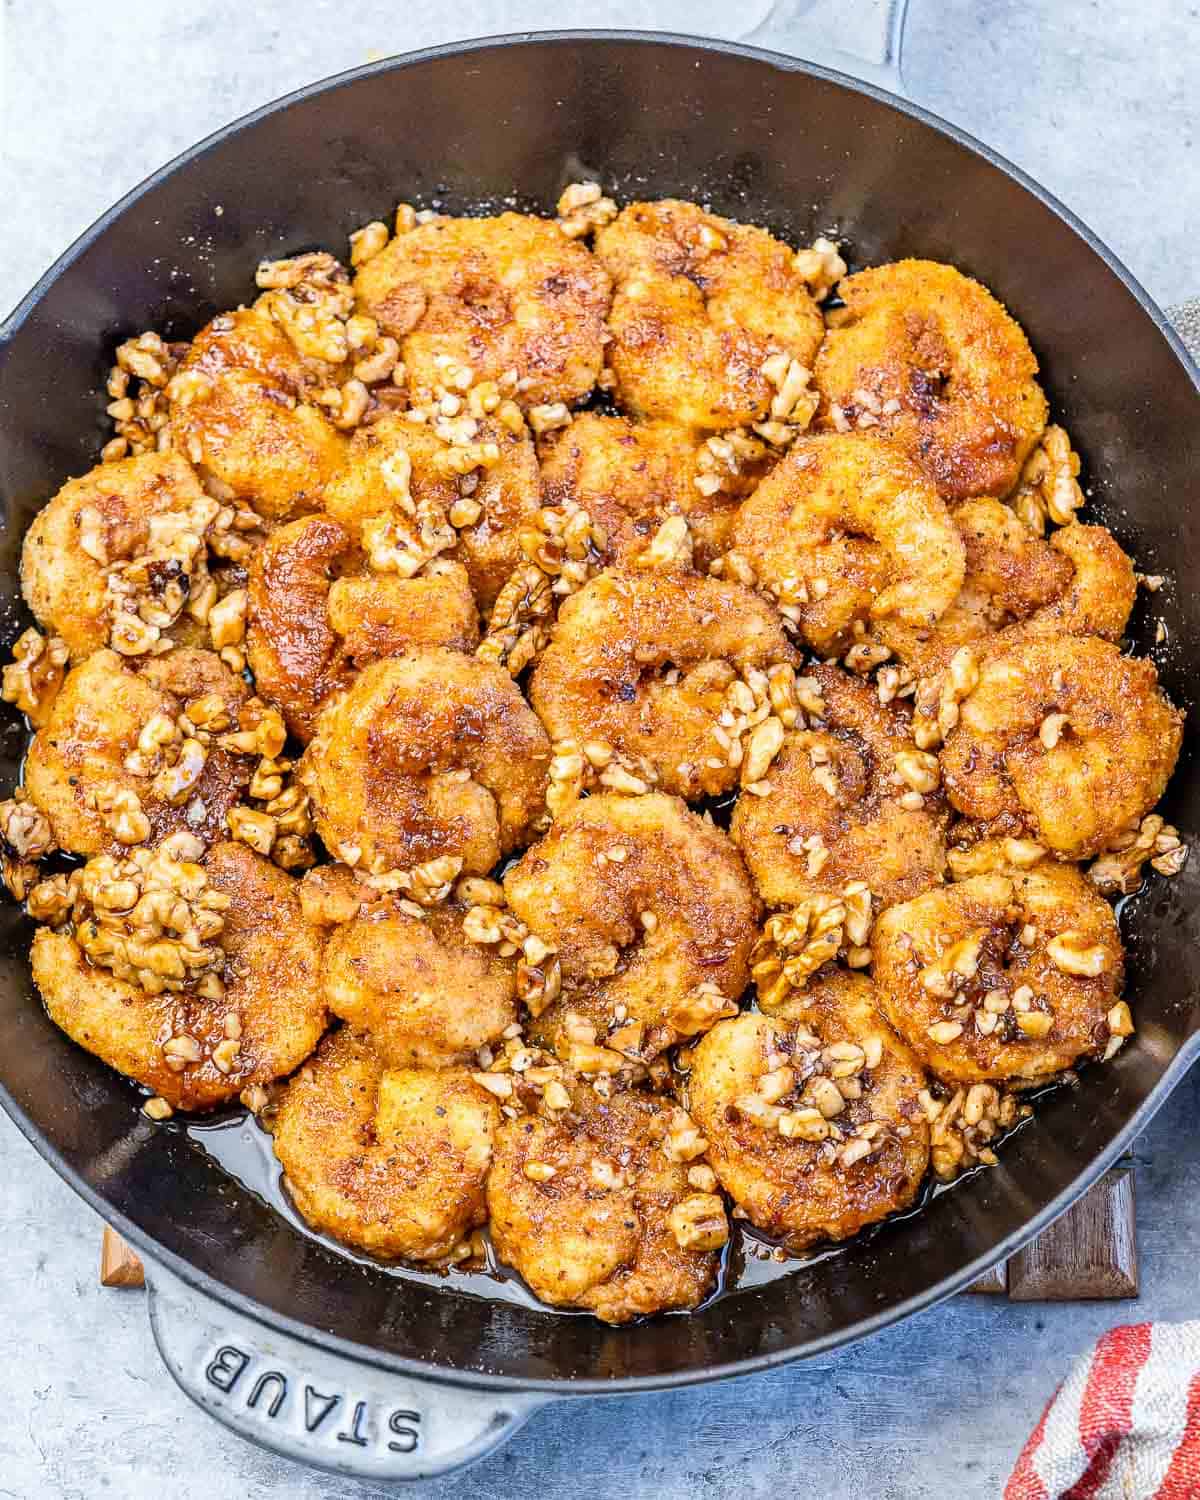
x,y
811,1115
847,529
1017,585
643,662
934,361
388,1160
316,614
1014,974
651,915
630,476
198,1046
595,1212
851,799
240,412
398,466
494,295
1065,738
427,755
701,304
103,519
101,766
426,994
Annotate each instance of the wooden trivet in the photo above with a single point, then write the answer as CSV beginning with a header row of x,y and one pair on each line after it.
x,y
1091,1252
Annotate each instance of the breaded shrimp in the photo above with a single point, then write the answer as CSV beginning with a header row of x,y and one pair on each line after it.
x,y
190,1048
394,462
642,662
86,757
701,303
429,754
102,518
239,411
499,294
1065,738
848,529
388,1160
427,996
934,361
651,914
851,799
812,1118
1017,585
1012,974
593,1212
629,476
317,613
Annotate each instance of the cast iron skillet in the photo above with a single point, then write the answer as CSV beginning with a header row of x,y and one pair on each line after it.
x,y
354,1369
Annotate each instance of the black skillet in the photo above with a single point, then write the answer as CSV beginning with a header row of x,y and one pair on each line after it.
x,y
365,1372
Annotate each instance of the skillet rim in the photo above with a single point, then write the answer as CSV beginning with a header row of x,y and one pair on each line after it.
x,y
208,1286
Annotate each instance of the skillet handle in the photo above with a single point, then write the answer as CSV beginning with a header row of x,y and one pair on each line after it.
x,y
861,37
345,1416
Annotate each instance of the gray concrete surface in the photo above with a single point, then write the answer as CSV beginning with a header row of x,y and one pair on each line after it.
x,y
1095,99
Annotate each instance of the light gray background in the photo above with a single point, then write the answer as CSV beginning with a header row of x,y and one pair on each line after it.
x,y
1098,101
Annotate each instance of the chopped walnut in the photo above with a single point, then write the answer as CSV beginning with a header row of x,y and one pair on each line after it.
x,y
583,208
963,1125
31,682
821,265
1119,870
1049,488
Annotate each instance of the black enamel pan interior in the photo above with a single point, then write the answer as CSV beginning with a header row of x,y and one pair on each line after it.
x,y
759,138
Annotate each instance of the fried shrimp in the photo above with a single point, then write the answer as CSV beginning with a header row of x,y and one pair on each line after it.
x,y
388,1160
103,518
642,663
1064,738
198,1046
1013,974
403,469
426,755
812,1116
650,913
701,305
851,799
494,295
1017,585
630,476
240,411
426,994
934,361
317,614
595,1212
848,529
101,765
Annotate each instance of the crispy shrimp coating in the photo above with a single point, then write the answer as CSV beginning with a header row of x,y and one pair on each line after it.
x,y
499,294
642,662
394,461
848,529
105,514
851,799
426,994
585,1206
934,361
630,476
429,754
239,412
77,761
700,304
388,1160
1008,975
812,1117
650,912
317,614
1017,585
1065,738
269,1019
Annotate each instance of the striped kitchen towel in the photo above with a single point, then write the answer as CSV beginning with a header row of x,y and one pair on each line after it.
x,y
1124,1425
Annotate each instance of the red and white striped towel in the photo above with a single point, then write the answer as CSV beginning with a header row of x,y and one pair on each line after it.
x,y
1124,1425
